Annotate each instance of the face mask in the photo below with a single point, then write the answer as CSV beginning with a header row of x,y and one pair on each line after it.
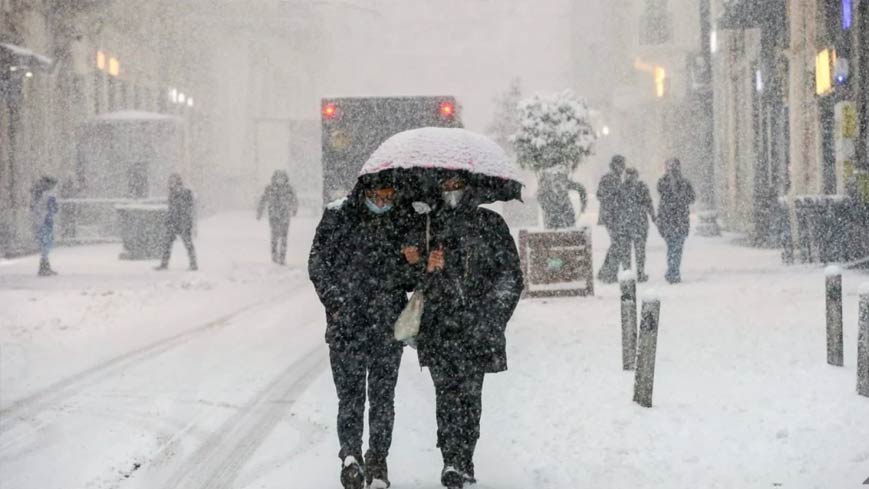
x,y
453,197
377,210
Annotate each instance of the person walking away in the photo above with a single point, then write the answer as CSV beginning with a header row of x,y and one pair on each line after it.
x,y
44,207
554,199
609,194
638,208
280,200
362,279
676,197
471,287
179,222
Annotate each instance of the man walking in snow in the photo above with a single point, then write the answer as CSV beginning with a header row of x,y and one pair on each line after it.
x,y
280,200
471,287
638,208
676,197
609,194
362,280
179,222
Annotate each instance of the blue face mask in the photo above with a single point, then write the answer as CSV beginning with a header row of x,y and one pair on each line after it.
x,y
377,210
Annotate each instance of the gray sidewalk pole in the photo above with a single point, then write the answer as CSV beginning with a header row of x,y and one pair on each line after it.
x,y
644,382
628,284
863,343
835,341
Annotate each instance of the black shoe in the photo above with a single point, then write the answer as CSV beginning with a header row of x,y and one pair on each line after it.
x,y
376,472
161,268
352,473
193,267
452,478
45,268
468,473
642,278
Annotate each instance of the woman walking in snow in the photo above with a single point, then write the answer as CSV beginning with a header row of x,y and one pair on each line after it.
x,y
44,207
638,208
472,285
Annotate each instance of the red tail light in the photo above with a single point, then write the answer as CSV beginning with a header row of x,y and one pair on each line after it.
x,y
330,110
447,109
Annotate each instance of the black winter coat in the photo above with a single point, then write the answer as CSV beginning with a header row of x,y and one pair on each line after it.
x,y
609,196
677,195
360,274
637,207
468,304
280,200
180,216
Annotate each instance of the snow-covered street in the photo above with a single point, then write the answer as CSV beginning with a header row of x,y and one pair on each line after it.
x,y
113,375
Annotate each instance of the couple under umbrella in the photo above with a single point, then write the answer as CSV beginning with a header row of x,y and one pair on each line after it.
x,y
413,223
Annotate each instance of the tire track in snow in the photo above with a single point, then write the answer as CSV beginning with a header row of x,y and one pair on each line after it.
x,y
28,407
217,463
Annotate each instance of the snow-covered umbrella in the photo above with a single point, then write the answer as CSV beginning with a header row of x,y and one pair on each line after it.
x,y
421,156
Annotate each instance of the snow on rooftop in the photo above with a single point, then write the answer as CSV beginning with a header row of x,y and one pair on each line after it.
x,y
22,51
864,289
833,270
440,147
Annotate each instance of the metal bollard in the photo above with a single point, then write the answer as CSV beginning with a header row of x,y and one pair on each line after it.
x,y
863,343
644,381
835,342
628,283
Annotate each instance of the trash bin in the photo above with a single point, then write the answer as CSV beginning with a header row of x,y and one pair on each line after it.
x,y
143,229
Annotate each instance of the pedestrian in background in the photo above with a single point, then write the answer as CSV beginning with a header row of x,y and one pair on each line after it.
x,y
609,194
676,197
179,222
44,207
638,208
280,200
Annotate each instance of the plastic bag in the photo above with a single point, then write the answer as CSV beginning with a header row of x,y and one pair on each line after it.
x,y
407,324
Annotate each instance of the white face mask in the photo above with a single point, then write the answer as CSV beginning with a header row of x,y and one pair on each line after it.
x,y
453,197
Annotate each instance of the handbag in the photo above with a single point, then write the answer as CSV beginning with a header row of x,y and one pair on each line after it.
x,y
407,324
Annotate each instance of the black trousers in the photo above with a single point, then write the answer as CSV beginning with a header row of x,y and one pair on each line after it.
x,y
459,406
637,241
186,236
619,253
279,240
349,371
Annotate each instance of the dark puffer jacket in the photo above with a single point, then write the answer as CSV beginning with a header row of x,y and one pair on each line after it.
x,y
281,202
468,304
180,217
637,208
674,207
360,274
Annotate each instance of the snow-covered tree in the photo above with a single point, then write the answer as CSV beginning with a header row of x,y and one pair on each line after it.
x,y
554,131
505,120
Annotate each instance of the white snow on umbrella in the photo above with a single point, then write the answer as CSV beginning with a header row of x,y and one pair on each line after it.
x,y
439,147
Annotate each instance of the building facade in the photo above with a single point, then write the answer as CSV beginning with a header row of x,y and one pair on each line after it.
x,y
790,108
65,63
